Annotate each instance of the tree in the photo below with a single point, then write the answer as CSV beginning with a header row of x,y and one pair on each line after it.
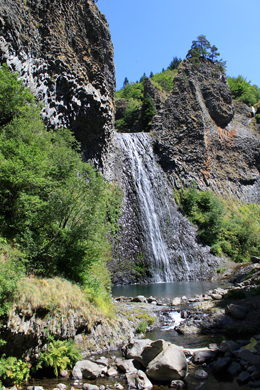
x,y
151,74
213,53
126,82
174,63
199,47
148,111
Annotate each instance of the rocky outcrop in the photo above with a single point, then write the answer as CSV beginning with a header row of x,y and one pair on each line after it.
x,y
199,135
63,52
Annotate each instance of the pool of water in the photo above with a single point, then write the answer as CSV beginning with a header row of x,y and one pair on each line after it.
x,y
166,290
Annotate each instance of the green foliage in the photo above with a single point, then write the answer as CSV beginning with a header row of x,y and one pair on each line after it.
x,y
235,294
131,118
56,208
148,112
202,48
13,370
142,326
11,270
234,232
131,91
243,91
59,355
174,63
164,81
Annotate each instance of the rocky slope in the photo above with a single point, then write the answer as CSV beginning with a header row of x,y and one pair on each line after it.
x,y
200,135
63,52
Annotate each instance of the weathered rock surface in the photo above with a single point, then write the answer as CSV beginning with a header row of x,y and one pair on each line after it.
x,y
138,380
170,364
87,370
62,51
199,135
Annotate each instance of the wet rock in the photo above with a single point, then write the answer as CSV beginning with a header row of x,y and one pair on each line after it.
x,y
234,369
254,385
139,298
145,350
138,380
64,373
111,372
237,311
125,365
249,357
89,386
87,370
243,378
255,259
61,386
177,384
168,365
176,301
221,364
255,375
204,356
201,374
228,346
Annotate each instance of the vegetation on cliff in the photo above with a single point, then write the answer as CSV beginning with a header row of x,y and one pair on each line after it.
x,y
228,228
56,211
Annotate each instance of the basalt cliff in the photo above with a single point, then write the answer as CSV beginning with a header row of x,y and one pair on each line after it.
x,y
62,51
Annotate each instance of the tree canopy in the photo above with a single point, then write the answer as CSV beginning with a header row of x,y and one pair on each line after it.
x,y
201,47
56,208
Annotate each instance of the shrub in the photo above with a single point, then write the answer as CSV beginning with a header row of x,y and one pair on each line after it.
x,y
142,326
59,355
236,294
13,370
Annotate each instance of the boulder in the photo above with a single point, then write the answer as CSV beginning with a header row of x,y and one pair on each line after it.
x,y
87,370
249,357
125,366
139,298
237,311
177,384
201,374
138,380
228,346
170,364
234,369
243,378
112,372
221,364
255,259
204,356
89,386
144,351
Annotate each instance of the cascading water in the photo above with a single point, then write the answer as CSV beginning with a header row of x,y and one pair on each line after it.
x,y
167,240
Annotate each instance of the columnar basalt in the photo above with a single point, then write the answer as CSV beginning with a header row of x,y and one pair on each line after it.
x,y
198,135
62,51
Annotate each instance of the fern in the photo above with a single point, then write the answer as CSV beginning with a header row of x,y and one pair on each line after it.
x,y
59,355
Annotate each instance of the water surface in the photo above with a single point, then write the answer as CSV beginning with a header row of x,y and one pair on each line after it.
x,y
166,290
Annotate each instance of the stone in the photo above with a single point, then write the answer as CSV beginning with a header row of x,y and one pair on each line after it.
x,y
111,372
228,346
177,384
64,373
139,298
243,378
255,375
221,364
237,311
216,297
151,299
234,369
87,370
118,386
201,374
176,301
138,380
145,350
254,385
125,365
249,357
255,259
170,364
102,360
204,356
89,386
61,386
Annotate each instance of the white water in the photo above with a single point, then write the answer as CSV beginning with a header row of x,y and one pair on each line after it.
x,y
156,206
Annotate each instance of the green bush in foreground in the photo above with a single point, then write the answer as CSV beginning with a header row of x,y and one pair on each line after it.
x,y
13,370
56,208
60,355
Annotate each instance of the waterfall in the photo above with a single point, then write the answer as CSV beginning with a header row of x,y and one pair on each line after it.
x,y
151,222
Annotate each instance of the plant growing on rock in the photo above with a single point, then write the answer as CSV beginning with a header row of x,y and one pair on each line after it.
x,y
60,355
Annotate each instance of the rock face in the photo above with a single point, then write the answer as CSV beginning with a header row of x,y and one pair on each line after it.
x,y
63,52
199,135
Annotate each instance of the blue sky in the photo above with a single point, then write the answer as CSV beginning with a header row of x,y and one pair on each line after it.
x,y
147,34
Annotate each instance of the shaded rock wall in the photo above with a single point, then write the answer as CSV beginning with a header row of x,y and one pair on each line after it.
x,y
198,135
62,51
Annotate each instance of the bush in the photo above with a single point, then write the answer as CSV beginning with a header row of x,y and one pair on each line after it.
x,y
230,230
243,90
235,294
59,355
142,326
13,371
